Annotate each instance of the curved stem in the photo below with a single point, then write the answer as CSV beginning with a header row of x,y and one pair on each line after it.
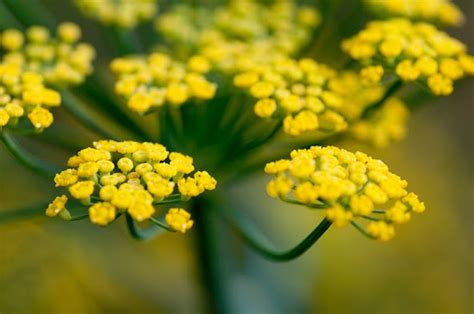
x,y
142,234
389,93
28,160
161,224
250,235
76,108
79,217
23,213
95,89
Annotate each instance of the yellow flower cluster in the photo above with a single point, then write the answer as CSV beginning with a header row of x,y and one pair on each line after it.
x,y
151,82
23,94
131,177
297,90
438,11
356,94
412,51
346,185
61,60
122,13
386,125
284,24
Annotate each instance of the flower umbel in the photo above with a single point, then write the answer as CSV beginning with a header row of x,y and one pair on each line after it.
x,y
412,52
347,186
133,178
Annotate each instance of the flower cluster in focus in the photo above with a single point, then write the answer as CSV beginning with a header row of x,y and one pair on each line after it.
x,y
122,13
150,82
130,177
411,51
61,60
438,11
347,186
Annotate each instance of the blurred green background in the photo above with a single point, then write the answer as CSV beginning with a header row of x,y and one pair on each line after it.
x,y
50,266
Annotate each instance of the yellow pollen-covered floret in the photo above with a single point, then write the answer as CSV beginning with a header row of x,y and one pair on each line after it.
x,y
179,219
114,178
347,186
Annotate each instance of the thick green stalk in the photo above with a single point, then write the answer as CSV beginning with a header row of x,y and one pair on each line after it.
x,y
28,160
207,250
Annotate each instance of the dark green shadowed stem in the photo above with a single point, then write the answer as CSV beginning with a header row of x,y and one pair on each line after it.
x,y
26,158
253,238
208,254
389,93
142,234
23,213
77,109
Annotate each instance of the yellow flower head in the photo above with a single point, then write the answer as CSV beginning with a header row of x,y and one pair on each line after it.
x,y
57,206
347,186
414,50
131,177
122,13
23,95
439,11
150,82
298,91
61,60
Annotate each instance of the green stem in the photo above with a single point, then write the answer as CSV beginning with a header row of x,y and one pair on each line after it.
x,y
142,234
95,89
208,252
28,160
76,108
389,93
31,12
79,217
7,20
250,235
127,42
23,213
161,224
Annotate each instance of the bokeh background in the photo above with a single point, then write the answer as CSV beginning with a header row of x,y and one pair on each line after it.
x,y
50,266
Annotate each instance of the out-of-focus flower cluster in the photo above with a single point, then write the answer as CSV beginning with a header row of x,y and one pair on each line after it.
x,y
121,13
346,185
386,125
437,11
61,60
412,52
282,24
130,177
149,82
